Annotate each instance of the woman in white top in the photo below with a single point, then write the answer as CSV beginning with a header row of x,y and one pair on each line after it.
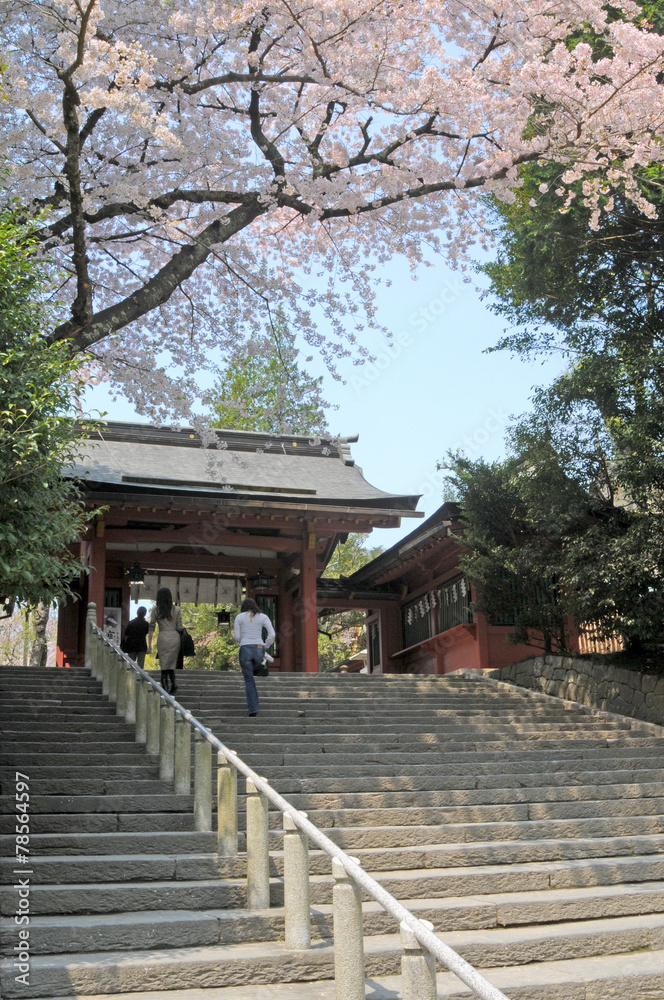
x,y
248,631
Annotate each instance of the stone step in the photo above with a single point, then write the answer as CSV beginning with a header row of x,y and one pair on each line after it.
x,y
264,962
454,794
639,976
135,931
527,761
95,869
350,838
527,829
201,894
150,807
145,773
115,728
103,822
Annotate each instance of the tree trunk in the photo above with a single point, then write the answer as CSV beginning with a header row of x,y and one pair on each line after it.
x,y
39,650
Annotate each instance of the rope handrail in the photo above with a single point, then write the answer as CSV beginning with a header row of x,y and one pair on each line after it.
x,y
464,971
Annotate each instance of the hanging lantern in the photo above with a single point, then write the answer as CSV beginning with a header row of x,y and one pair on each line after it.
x,y
260,580
136,574
223,618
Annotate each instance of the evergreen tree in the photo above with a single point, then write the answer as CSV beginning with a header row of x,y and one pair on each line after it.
x,y
264,389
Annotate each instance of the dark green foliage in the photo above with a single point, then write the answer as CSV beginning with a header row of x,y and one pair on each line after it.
x,y
264,389
40,513
583,490
345,628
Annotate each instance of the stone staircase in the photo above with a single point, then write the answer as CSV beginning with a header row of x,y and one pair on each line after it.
x,y
530,832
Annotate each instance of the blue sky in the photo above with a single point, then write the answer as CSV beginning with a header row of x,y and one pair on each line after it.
x,y
432,389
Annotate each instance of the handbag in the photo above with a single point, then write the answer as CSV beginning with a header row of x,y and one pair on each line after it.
x,y
187,647
263,668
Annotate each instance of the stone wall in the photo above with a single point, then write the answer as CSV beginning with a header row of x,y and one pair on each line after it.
x,y
600,685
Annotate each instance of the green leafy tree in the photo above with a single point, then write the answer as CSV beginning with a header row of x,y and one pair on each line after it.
x,y
40,512
345,629
587,464
264,389
216,649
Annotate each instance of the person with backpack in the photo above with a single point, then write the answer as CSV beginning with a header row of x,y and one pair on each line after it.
x,y
248,631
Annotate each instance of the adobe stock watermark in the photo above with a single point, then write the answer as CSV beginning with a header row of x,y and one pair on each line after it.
x,y
420,320
21,949
472,445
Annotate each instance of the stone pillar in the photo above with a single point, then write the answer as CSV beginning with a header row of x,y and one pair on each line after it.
x,y
226,808
103,652
258,857
202,783
130,714
121,691
166,741
418,967
152,738
97,576
91,659
348,936
182,756
113,672
141,709
308,603
297,913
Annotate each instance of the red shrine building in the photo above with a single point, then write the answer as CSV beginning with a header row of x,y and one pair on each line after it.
x,y
262,514
256,511
418,601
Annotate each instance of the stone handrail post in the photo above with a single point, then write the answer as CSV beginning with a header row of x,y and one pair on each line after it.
x,y
418,967
112,676
131,681
141,710
105,653
166,741
182,756
348,935
297,913
152,733
202,783
226,808
121,699
258,849
90,620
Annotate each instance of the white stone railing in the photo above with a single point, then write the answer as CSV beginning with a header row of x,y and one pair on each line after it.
x,y
166,727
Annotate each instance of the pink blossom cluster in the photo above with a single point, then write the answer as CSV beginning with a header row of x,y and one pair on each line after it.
x,y
200,163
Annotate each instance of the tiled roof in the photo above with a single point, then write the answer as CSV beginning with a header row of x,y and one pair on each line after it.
x,y
137,457
439,525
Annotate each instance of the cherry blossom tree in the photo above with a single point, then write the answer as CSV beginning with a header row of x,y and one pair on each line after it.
x,y
199,160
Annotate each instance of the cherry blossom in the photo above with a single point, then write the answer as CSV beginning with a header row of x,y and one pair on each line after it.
x,y
198,163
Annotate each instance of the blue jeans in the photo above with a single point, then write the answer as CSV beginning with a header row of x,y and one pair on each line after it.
x,y
251,658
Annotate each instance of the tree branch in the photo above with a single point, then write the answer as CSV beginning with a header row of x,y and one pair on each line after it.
x,y
161,286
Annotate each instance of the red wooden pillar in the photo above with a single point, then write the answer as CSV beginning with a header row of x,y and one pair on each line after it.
x,y
390,637
285,625
482,640
309,604
97,578
66,649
